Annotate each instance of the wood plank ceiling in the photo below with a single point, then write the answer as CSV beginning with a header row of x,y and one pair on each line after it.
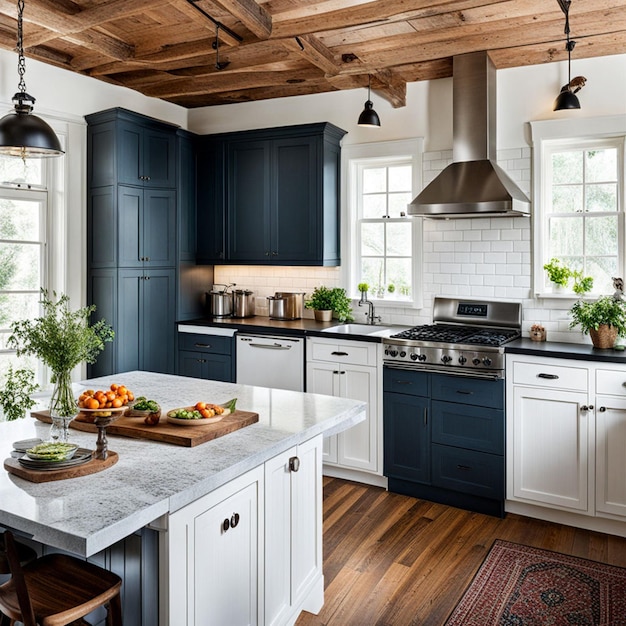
x,y
276,48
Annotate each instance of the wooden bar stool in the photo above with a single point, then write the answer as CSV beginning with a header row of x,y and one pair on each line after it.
x,y
56,589
24,553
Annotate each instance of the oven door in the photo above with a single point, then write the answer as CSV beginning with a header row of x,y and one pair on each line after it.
x,y
479,374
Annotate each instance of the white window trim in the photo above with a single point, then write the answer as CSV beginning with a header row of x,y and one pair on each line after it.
x,y
351,157
544,134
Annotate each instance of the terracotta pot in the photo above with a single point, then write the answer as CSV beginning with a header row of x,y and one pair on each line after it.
x,y
323,315
604,337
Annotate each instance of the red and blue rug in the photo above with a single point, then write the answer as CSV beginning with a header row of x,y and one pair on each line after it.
x,y
519,585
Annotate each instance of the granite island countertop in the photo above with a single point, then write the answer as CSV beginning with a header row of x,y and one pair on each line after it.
x,y
87,514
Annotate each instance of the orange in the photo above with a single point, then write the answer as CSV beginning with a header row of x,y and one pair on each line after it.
x,y
92,403
117,403
200,406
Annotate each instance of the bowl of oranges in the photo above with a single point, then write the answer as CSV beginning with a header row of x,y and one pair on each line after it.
x,y
104,403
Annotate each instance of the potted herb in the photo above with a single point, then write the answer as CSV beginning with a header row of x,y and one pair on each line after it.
x,y
558,273
604,320
330,300
582,284
15,397
62,339
391,288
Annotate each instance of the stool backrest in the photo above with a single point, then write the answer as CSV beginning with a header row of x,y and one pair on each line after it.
x,y
26,608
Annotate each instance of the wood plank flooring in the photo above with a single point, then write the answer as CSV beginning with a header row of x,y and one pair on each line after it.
x,y
392,560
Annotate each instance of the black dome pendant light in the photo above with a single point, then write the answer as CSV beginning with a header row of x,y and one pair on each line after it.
x,y
567,98
23,134
369,118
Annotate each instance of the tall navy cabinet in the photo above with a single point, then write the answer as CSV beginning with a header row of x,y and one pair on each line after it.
x,y
270,196
132,238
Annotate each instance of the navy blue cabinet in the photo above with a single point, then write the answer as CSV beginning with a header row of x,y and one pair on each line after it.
x,y
270,196
444,438
206,356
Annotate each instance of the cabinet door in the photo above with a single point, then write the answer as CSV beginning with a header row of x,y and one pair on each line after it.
x,y
130,226
186,199
128,338
356,447
129,153
224,581
102,291
550,439
249,201
159,158
158,321
159,228
205,365
101,228
406,426
295,204
211,233
322,378
191,364
610,456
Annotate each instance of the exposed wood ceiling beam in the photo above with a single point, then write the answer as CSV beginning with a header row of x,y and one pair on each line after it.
x,y
314,51
252,15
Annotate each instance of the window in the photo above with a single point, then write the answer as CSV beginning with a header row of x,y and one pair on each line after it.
x,y
384,241
579,204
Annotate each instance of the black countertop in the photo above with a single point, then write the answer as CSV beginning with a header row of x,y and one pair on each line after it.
x,y
574,351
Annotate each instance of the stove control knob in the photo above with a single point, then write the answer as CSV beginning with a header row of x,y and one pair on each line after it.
x,y
414,356
462,360
393,353
476,361
422,357
402,354
386,351
446,359
487,361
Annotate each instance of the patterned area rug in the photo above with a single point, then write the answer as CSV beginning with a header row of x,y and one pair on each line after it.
x,y
522,586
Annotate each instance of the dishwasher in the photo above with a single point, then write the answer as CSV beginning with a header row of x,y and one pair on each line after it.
x,y
270,361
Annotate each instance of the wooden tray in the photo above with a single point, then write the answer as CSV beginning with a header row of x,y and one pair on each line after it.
x,y
163,431
43,476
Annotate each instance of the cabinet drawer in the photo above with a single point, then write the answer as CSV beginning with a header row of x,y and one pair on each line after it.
x,y
354,352
611,382
472,427
205,343
550,376
476,473
404,381
468,390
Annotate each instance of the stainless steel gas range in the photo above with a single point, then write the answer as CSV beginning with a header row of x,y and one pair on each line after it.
x,y
466,338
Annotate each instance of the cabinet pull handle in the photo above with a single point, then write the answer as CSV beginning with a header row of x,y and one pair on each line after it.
x,y
202,345
602,409
465,468
294,464
584,407
274,253
234,520
402,382
465,392
624,384
267,254
339,353
225,524
425,416
548,376
201,360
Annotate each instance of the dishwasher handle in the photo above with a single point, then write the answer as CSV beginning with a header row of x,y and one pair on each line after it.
x,y
270,346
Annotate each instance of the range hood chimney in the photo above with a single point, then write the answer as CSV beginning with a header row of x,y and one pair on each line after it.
x,y
474,185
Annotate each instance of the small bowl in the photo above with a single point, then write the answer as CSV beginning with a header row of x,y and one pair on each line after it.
x,y
52,451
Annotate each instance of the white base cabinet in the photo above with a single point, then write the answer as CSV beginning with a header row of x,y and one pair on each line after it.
x,y
350,369
250,552
566,441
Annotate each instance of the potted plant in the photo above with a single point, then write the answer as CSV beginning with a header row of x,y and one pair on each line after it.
x,y
582,284
604,320
558,273
15,397
391,288
62,339
325,301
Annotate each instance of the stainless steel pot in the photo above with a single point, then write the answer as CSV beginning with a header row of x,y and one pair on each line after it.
x,y
220,302
285,305
243,303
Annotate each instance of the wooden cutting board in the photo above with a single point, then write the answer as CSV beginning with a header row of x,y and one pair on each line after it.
x,y
43,476
188,436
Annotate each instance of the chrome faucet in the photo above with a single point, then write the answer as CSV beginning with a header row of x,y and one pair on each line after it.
x,y
369,316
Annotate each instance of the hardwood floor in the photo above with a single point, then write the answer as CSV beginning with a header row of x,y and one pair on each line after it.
x,y
392,560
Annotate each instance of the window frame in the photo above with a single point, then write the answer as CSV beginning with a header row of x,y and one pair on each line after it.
x,y
354,157
549,136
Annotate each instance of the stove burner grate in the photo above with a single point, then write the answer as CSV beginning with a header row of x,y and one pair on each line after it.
x,y
458,334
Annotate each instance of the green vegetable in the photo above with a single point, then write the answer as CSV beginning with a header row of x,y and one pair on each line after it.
x,y
184,414
230,405
143,404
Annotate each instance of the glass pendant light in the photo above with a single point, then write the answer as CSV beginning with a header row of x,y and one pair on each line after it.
x,y
369,118
567,99
23,134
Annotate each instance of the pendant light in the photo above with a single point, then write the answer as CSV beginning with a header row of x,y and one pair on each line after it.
x,y
567,99
369,118
23,134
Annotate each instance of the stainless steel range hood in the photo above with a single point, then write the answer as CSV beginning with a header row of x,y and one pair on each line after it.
x,y
473,185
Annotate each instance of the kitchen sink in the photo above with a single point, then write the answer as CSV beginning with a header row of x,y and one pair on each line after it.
x,y
362,329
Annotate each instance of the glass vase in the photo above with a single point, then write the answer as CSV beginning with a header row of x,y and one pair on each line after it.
x,y
63,407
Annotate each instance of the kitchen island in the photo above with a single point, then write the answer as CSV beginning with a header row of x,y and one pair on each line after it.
x,y
169,486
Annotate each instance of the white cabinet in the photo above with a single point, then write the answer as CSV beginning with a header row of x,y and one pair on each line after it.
x,y
566,439
293,536
214,556
350,369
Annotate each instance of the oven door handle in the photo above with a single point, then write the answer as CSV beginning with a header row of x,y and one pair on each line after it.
x,y
433,369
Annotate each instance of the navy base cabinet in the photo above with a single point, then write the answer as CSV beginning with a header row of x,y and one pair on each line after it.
x,y
210,357
444,439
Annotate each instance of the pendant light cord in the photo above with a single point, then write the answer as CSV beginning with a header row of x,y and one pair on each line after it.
x,y
569,45
21,61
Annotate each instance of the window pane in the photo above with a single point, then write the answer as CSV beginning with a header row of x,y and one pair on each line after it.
x,y
19,219
399,239
372,239
397,203
601,165
601,197
19,266
567,199
602,269
566,236
374,206
372,273
374,179
399,275
400,178
15,170
14,307
567,167
601,235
